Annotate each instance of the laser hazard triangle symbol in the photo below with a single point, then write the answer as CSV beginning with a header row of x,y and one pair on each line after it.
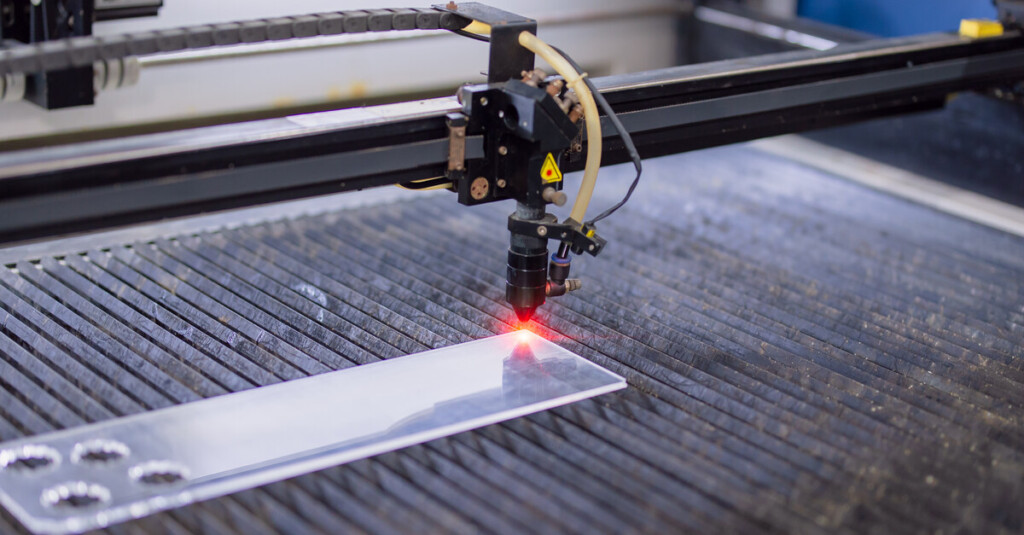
x,y
549,172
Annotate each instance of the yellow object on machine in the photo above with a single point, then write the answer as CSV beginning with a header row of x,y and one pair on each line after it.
x,y
978,28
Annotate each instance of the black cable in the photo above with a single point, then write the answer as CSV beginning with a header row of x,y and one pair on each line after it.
x,y
627,140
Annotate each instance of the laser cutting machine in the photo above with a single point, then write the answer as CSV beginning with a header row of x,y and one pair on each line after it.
x,y
516,137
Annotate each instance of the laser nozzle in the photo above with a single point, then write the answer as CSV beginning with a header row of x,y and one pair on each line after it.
x,y
524,313
526,278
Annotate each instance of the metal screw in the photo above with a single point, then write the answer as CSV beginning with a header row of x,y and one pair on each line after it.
x,y
591,248
502,183
503,150
479,188
483,101
542,231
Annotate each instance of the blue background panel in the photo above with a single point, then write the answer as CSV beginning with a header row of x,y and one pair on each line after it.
x,y
890,18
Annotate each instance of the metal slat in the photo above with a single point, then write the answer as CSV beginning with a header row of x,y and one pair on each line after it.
x,y
177,330
61,348
926,287
248,339
359,304
281,346
301,297
152,381
914,304
167,365
838,251
241,303
106,309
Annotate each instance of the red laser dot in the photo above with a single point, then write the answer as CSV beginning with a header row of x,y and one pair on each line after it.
x,y
549,172
523,336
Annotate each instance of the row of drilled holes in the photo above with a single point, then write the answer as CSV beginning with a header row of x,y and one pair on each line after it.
x,y
36,458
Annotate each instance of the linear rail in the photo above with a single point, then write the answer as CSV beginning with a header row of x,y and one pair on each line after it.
x,y
81,187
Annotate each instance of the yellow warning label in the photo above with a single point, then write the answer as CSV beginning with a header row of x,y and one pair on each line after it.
x,y
549,172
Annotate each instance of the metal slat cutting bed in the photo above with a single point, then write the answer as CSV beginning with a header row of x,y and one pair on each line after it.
x,y
804,355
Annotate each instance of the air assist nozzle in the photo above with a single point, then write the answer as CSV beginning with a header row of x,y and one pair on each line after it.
x,y
524,313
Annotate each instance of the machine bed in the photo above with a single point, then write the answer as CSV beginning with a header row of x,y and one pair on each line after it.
x,y
804,354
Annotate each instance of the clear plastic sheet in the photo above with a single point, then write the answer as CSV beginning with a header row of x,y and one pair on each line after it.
x,y
101,474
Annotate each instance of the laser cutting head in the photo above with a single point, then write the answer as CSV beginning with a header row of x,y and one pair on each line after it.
x,y
527,272
529,124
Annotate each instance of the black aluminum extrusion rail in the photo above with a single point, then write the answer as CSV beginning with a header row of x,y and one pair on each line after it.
x,y
70,189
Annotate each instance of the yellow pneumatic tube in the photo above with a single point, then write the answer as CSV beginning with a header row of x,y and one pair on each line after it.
x,y
575,82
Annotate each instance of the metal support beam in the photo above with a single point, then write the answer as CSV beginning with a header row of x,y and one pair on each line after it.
x,y
76,188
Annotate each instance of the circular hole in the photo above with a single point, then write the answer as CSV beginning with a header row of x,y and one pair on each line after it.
x,y
75,495
99,451
158,473
29,458
511,117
